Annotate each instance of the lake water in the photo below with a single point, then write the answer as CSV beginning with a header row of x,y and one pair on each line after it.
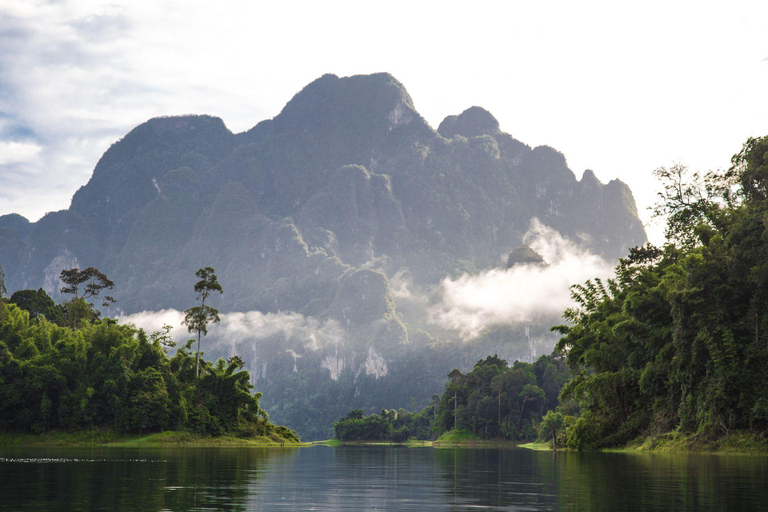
x,y
375,478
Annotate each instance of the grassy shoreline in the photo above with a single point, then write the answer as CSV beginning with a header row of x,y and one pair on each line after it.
x,y
737,443
742,443
156,440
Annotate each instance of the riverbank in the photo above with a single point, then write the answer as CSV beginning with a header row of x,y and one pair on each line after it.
x,y
413,443
450,439
742,443
99,437
675,442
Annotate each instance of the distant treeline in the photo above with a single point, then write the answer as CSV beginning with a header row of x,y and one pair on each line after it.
x,y
78,371
494,400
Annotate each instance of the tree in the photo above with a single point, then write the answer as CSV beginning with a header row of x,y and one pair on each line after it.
x,y
3,289
197,318
551,423
36,303
95,282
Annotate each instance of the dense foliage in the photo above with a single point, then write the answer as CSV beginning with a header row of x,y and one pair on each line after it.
x,y
493,400
679,340
390,425
103,374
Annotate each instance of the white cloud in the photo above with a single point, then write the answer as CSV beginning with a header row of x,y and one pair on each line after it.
x,y
18,152
307,333
255,325
152,321
473,303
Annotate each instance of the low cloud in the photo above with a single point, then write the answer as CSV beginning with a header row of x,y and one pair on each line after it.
x,y
302,333
472,304
312,333
152,321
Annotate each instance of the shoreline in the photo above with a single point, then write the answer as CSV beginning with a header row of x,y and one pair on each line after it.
x,y
106,438
737,443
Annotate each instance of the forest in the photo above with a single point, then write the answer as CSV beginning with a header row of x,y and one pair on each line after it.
x,y
62,367
492,401
678,341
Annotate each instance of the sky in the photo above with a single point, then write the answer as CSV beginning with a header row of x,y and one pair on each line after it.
x,y
620,88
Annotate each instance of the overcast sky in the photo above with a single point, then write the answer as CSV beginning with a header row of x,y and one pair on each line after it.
x,y
619,88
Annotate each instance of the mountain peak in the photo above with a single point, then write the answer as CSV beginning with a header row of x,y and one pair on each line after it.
x,y
472,122
373,99
589,179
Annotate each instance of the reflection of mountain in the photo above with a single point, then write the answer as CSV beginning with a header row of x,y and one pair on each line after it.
x,y
321,211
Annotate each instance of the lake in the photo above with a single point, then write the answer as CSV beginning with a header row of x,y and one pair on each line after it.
x,y
375,478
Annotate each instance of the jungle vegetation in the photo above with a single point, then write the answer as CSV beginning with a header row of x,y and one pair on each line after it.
x,y
61,369
678,341
492,401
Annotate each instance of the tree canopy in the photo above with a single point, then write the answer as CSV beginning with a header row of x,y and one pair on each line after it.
x,y
678,341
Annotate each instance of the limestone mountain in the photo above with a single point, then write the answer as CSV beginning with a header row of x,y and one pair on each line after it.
x,y
315,213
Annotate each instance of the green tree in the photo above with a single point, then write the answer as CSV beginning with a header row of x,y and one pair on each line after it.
x,y
197,318
93,281
3,289
83,285
37,303
551,424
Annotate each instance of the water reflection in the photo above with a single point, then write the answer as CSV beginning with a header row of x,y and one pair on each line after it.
x,y
524,480
616,481
375,478
130,479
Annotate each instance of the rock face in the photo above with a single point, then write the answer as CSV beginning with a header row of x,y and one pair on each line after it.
x,y
314,212
524,255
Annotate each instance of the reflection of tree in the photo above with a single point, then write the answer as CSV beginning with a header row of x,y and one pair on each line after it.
x,y
497,478
602,481
126,479
659,482
381,478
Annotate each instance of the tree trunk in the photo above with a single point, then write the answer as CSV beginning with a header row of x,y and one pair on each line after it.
x,y
554,441
499,412
197,364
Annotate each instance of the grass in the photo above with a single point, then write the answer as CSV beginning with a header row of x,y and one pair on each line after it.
x,y
539,446
676,442
105,437
466,439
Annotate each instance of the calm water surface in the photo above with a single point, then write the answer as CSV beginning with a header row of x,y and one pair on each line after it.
x,y
375,478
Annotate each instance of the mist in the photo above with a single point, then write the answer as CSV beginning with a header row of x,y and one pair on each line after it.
x,y
472,304
303,333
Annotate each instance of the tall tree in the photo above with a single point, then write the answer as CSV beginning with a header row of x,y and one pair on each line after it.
x,y
3,289
94,283
197,318
83,285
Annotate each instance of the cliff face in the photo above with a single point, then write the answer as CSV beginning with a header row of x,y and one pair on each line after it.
x,y
315,212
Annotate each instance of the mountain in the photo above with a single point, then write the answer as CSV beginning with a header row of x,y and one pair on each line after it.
x,y
330,227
